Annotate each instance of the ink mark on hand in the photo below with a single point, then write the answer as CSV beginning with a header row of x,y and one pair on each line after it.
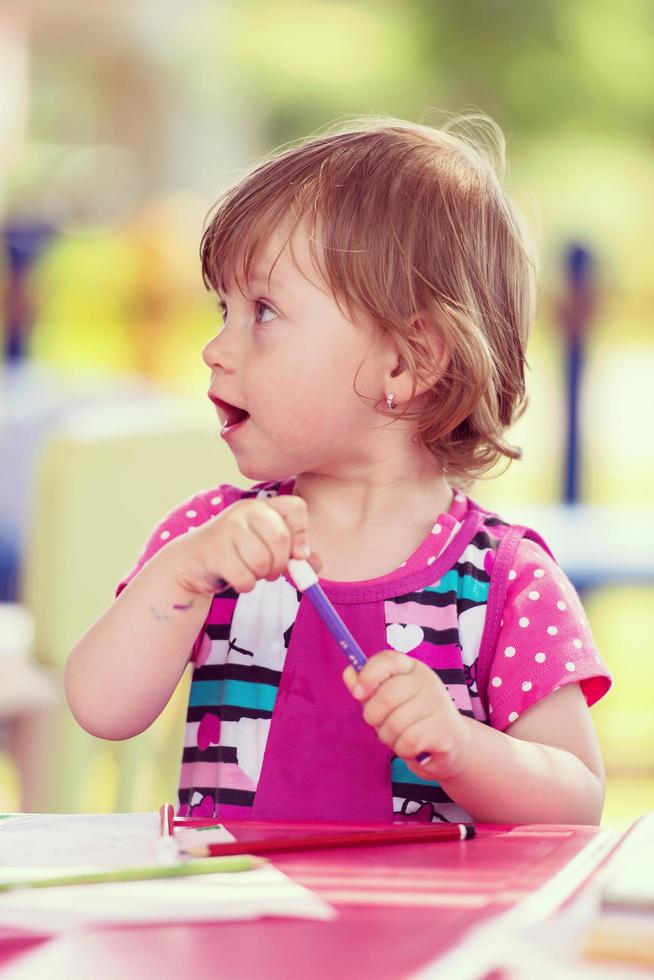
x,y
158,615
183,606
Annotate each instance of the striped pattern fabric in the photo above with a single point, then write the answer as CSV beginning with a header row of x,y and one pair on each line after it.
x,y
443,626
498,621
233,692
239,668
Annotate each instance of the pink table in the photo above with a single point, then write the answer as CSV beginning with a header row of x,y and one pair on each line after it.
x,y
400,906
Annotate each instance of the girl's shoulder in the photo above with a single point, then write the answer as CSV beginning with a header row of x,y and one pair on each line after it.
x,y
207,504
530,586
538,636
195,511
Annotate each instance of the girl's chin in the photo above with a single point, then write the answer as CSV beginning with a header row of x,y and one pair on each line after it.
x,y
262,474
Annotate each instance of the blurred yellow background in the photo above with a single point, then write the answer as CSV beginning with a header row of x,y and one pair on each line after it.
x,y
112,152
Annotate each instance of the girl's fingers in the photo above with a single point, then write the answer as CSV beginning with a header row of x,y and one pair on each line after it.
x,y
419,736
350,677
315,561
296,514
408,706
402,724
390,696
293,514
239,571
273,533
378,669
268,540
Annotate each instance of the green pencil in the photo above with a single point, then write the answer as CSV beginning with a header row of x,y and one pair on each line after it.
x,y
242,862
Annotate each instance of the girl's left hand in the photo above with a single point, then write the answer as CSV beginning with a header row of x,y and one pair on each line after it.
x,y
410,709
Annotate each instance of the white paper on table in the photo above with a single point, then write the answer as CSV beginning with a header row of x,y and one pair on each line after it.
x,y
43,845
88,840
201,898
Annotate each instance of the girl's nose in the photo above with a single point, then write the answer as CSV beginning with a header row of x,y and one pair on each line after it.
x,y
211,352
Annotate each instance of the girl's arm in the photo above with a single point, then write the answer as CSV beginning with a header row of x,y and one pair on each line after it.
x,y
122,671
546,768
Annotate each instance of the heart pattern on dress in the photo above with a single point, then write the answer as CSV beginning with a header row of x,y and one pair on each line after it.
x,y
204,809
208,731
404,638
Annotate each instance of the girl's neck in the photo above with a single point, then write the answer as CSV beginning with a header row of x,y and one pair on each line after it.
x,y
361,506
362,532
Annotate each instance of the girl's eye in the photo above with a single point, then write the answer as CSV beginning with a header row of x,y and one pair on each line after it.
x,y
260,305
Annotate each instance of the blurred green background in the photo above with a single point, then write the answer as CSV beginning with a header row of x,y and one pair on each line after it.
x,y
121,122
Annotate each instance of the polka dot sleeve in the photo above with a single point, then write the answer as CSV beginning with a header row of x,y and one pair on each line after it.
x,y
198,510
544,640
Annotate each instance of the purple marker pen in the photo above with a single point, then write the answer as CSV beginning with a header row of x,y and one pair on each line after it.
x,y
306,581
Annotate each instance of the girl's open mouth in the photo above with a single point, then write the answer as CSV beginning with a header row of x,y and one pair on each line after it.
x,y
231,425
232,416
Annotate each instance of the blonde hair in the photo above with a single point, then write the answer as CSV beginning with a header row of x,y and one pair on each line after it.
x,y
410,225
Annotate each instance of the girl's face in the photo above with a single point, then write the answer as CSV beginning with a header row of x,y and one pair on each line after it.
x,y
288,356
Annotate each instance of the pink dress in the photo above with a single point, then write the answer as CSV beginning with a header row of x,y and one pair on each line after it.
x,y
271,730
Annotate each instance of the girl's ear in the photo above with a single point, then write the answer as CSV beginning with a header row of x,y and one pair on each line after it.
x,y
431,358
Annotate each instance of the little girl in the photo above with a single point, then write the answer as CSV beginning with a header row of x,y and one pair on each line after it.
x,y
376,287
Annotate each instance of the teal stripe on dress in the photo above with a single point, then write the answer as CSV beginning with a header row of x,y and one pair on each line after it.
x,y
465,586
235,694
400,773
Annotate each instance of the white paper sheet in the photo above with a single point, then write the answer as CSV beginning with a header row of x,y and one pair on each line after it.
x,y
40,845
88,840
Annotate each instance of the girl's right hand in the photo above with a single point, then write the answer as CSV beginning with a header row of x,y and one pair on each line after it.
x,y
251,539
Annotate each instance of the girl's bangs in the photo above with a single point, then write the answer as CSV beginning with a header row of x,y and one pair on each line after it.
x,y
239,231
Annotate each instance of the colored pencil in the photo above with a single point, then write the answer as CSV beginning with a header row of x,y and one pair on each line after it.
x,y
346,838
307,582
212,866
